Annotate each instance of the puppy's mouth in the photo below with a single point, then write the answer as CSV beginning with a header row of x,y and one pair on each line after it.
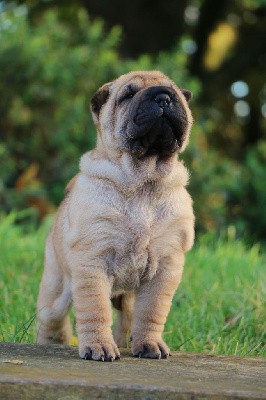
x,y
157,123
161,139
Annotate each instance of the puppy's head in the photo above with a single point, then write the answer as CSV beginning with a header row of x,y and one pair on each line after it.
x,y
143,113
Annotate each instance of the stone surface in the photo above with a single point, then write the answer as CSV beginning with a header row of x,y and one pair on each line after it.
x,y
57,372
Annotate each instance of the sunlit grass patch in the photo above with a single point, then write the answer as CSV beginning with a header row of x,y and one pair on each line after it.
x,y
21,260
220,304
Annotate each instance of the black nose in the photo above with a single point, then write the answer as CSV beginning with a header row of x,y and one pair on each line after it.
x,y
163,100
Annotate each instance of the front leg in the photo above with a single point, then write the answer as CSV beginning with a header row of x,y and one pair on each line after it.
x,y
152,306
91,296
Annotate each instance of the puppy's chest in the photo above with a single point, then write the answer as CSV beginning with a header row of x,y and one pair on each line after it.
x,y
135,257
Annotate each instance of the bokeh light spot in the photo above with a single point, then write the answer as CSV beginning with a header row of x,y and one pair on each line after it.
x,y
263,110
220,43
191,15
239,89
242,109
189,46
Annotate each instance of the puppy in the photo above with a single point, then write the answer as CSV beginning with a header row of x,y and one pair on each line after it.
x,y
121,233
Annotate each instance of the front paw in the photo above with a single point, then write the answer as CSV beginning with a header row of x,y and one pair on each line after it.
x,y
150,349
99,351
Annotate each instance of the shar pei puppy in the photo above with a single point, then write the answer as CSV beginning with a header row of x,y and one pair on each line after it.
x,y
121,233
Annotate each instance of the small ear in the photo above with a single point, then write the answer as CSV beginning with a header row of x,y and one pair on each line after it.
x,y
100,98
187,94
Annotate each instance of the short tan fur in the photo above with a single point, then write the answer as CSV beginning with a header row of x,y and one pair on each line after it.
x,y
120,233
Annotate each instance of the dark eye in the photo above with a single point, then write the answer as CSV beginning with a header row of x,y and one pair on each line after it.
x,y
127,96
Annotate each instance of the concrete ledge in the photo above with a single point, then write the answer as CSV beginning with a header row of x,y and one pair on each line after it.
x,y
56,372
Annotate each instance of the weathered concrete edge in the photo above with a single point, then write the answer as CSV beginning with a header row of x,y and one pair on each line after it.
x,y
11,389
15,385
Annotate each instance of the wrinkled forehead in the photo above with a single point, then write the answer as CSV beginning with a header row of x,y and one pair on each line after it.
x,y
141,80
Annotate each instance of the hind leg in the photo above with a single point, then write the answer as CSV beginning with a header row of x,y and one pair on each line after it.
x,y
54,301
125,306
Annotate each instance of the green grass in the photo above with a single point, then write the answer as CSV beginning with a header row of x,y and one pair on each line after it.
x,y
220,304
219,307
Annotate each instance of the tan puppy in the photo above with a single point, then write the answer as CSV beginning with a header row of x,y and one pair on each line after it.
x,y
125,224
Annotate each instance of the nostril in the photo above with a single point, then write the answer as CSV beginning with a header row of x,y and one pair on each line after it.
x,y
163,99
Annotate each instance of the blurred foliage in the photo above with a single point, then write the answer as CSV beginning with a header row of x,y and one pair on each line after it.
x,y
248,197
226,42
139,19
49,70
230,46
47,75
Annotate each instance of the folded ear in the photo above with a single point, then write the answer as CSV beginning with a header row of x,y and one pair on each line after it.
x,y
99,99
187,94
